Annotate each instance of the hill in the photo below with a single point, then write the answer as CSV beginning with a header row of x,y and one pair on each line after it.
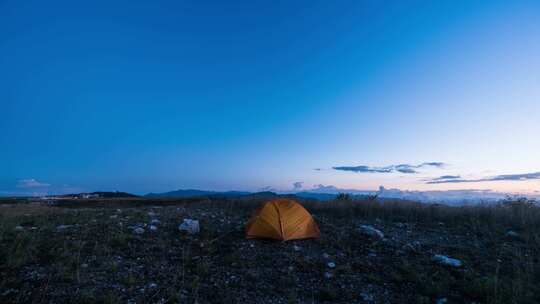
x,y
100,194
189,193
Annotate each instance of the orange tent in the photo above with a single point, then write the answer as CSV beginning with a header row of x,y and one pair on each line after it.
x,y
282,219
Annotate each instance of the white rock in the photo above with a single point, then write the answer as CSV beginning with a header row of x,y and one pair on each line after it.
x,y
297,248
19,228
113,216
442,301
325,255
371,231
328,275
138,230
152,228
367,297
190,226
512,234
155,222
444,260
331,264
63,227
152,285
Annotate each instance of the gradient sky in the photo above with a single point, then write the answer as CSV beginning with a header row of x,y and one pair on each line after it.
x,y
144,96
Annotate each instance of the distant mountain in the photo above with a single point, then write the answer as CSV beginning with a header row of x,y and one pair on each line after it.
x,y
187,193
316,196
328,193
450,197
115,194
264,195
190,193
100,194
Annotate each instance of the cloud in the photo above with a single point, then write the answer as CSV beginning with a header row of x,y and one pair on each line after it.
x,y
434,164
323,188
31,183
445,177
298,185
406,169
267,188
363,169
401,168
505,177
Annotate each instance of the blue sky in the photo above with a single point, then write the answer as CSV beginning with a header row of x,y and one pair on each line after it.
x,y
139,96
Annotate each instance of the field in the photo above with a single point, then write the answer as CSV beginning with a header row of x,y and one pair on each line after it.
x,y
89,252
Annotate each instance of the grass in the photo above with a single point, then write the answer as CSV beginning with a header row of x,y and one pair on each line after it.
x,y
220,266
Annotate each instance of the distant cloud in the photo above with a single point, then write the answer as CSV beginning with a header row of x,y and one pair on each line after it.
x,y
364,169
298,185
31,183
506,177
402,168
445,177
267,188
434,164
323,188
33,187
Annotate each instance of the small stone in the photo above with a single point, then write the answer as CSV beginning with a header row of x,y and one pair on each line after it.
x,y
331,264
328,275
152,228
512,234
297,248
371,231
138,230
152,285
84,265
113,216
442,301
367,297
326,255
444,260
190,226
155,222
19,228
63,227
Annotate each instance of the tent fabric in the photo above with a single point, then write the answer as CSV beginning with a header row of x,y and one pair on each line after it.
x,y
282,219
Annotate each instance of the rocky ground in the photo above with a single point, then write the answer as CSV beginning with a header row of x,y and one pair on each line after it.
x,y
138,255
